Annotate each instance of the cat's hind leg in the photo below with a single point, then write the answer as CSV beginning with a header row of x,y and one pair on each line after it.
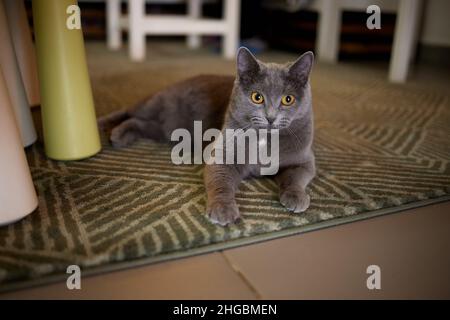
x,y
127,132
106,123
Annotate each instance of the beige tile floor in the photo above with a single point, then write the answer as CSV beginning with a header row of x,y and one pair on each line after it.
x,y
412,249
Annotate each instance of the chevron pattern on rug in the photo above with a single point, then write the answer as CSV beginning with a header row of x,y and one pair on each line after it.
x,y
377,146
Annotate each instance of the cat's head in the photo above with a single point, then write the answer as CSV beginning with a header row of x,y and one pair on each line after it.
x,y
269,95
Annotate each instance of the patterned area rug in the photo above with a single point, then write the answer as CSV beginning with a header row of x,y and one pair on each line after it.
x,y
378,147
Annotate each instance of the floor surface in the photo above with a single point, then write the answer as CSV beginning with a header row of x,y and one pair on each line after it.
x,y
412,249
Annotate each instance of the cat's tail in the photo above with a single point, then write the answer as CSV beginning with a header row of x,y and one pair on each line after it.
x,y
113,119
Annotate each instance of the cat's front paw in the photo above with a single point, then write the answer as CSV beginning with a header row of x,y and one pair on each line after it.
x,y
295,200
223,213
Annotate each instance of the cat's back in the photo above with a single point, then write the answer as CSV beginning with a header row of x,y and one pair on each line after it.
x,y
211,80
200,98
203,97
208,86
204,93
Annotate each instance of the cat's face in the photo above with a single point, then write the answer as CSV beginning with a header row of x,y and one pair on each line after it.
x,y
268,95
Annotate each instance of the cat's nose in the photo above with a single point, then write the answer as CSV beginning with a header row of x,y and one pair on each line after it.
x,y
271,120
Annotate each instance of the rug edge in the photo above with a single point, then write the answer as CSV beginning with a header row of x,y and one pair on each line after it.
x,y
120,266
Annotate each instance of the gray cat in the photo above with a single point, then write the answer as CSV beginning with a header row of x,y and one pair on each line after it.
x,y
263,95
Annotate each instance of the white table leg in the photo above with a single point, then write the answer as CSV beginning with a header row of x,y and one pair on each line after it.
x,y
404,39
194,12
329,31
24,48
136,33
17,195
114,31
232,17
14,83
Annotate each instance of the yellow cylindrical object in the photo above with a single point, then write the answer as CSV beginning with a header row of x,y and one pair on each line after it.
x,y
68,114
17,195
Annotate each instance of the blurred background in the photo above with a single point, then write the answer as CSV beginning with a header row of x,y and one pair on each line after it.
x,y
293,25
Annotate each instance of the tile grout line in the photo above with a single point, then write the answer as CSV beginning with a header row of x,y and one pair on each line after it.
x,y
242,276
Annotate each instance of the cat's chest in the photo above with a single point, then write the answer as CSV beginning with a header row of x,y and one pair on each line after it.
x,y
276,153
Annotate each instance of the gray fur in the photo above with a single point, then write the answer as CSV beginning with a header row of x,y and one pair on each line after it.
x,y
224,102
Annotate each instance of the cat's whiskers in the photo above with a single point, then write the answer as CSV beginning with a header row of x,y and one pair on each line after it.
x,y
284,123
258,121
295,136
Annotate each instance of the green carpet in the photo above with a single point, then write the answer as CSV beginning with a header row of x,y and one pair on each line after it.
x,y
379,148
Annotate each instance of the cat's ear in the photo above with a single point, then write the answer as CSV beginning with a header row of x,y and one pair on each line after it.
x,y
247,65
302,67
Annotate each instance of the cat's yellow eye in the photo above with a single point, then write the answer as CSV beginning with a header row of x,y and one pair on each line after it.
x,y
287,100
257,98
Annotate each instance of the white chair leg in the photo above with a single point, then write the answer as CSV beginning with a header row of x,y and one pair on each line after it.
x,y
114,32
329,31
17,195
404,39
194,12
14,83
232,17
24,48
136,34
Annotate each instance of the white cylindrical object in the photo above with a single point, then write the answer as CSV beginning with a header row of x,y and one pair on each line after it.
x,y
136,32
114,29
17,194
16,89
232,16
194,12
24,48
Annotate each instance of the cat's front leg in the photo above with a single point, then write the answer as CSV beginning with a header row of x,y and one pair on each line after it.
x,y
292,182
221,182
